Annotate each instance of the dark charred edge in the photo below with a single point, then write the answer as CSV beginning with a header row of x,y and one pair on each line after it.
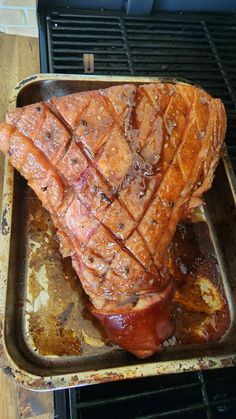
x,y
25,81
4,224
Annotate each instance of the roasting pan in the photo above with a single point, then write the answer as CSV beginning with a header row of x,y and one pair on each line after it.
x,y
34,280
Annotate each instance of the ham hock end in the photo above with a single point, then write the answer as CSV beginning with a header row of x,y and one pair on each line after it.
x,y
118,169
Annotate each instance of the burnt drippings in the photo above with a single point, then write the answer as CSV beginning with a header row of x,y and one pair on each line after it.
x,y
62,341
66,318
120,226
192,252
58,299
25,81
34,286
104,198
48,135
4,224
9,372
200,307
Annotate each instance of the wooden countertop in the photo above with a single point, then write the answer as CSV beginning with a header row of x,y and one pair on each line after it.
x,y
19,59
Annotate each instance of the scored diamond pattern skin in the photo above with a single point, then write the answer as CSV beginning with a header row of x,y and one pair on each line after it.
x,y
117,169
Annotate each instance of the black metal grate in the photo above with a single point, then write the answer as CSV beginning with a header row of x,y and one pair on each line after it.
x,y
200,395
201,48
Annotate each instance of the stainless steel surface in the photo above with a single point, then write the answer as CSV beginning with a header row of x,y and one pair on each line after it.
x,y
33,276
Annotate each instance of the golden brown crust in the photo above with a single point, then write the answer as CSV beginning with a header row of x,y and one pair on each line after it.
x,y
118,169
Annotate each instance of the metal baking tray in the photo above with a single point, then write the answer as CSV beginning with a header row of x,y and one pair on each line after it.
x,y
48,340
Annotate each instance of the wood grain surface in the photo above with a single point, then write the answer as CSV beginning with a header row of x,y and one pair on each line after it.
x,y
19,59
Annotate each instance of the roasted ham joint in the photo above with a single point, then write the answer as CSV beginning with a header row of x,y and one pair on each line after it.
x,y
118,169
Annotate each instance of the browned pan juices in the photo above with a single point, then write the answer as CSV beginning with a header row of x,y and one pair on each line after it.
x,y
55,317
50,340
201,309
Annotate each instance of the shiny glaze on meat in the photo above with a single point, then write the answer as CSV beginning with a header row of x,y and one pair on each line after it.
x,y
118,169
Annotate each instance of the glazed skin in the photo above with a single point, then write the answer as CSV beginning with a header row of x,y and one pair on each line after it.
x,y
118,169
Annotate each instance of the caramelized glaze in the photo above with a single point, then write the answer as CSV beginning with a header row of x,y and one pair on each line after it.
x,y
65,326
